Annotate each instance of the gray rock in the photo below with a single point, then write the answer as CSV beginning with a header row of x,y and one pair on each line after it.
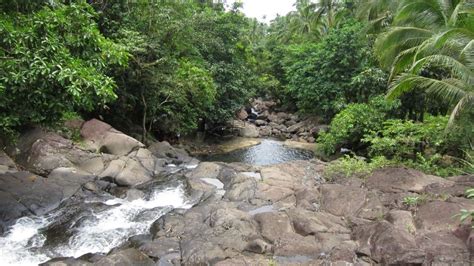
x,y
126,257
294,128
102,137
387,245
164,150
393,179
260,123
242,114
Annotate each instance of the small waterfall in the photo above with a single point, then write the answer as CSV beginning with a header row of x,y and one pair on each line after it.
x,y
97,232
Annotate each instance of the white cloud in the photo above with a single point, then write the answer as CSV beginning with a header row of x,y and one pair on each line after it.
x,y
265,8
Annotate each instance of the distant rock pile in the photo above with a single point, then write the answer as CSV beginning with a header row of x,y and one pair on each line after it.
x,y
261,120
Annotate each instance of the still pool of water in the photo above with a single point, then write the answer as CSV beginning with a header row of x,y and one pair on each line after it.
x,y
268,152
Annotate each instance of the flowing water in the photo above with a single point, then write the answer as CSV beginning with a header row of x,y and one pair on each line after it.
x,y
97,223
101,225
268,152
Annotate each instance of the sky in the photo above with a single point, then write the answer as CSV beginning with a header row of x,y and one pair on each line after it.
x,y
269,8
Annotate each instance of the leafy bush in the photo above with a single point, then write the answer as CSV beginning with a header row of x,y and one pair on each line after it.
x,y
405,138
347,166
351,124
52,61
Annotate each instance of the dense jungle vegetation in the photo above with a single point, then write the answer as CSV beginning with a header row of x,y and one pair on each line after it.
x,y
393,79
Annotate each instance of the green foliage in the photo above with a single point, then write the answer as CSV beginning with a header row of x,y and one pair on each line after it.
x,y
351,124
411,201
52,61
347,166
192,62
193,94
426,34
334,70
466,214
405,138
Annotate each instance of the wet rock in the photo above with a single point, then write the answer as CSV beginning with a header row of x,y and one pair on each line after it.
x,y
24,193
134,194
102,137
397,179
160,247
129,256
69,179
66,262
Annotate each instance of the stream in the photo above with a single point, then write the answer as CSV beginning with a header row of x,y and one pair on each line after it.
x,y
97,226
99,222
268,152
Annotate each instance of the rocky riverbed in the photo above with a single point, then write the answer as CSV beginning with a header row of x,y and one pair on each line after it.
x,y
158,206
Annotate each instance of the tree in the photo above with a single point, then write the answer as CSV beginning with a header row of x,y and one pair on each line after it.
x,y
324,77
53,60
432,34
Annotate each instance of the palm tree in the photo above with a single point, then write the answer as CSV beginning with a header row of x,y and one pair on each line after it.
x,y
432,34
306,21
378,13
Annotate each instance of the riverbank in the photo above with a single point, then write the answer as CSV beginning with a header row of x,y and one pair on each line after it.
x,y
168,208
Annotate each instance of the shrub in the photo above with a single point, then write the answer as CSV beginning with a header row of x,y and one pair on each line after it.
x,y
404,139
347,166
351,124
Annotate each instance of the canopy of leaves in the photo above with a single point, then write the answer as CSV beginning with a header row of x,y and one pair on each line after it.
x,y
52,61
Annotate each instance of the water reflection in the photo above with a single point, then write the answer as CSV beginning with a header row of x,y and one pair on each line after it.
x,y
266,153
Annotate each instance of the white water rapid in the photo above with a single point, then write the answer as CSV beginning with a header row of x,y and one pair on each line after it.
x,y
100,231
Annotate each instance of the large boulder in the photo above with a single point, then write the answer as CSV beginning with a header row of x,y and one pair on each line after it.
x,y
126,171
24,193
439,215
41,152
245,129
398,179
164,150
102,137
387,245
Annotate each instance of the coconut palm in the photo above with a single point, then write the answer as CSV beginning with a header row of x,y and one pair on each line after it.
x,y
432,34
